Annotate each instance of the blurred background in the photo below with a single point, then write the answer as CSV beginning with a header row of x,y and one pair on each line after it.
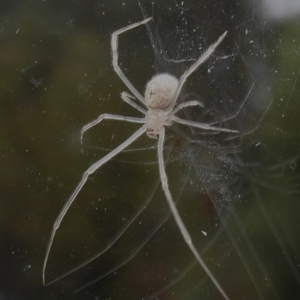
x,y
238,194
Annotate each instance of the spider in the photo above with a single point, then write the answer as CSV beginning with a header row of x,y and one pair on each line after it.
x,y
160,98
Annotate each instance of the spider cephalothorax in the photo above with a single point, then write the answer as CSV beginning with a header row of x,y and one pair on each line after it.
x,y
154,120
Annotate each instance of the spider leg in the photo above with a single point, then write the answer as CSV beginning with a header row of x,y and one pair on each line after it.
x,y
94,167
109,117
201,125
127,98
194,66
114,48
175,213
186,104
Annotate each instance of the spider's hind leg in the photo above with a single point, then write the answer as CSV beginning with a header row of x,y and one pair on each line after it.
x,y
93,168
175,213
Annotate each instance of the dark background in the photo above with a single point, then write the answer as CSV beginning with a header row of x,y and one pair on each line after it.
x,y
238,195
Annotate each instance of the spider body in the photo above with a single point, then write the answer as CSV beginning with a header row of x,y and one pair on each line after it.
x,y
159,110
159,93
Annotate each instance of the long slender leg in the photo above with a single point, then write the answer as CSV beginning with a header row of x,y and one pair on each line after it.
x,y
85,176
194,66
201,125
175,213
114,48
109,117
127,98
186,104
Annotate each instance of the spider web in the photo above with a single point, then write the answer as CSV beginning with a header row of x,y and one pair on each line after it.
x,y
237,195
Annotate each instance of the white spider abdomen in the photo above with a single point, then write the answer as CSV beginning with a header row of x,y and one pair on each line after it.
x,y
160,91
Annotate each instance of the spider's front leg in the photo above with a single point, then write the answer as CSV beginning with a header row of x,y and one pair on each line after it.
x,y
109,117
115,57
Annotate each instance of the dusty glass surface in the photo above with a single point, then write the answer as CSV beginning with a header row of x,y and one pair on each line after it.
x,y
238,195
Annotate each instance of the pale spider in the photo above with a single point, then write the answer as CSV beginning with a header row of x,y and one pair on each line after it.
x,y
160,99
